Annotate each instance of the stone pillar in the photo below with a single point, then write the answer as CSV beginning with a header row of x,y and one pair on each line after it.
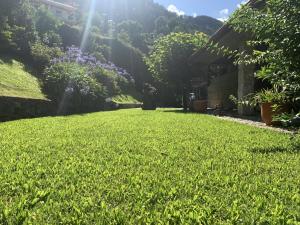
x,y
246,81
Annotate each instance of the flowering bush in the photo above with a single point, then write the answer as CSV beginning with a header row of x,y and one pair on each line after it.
x,y
80,82
42,54
74,54
70,87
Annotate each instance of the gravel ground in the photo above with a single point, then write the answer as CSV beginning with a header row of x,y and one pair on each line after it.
x,y
256,124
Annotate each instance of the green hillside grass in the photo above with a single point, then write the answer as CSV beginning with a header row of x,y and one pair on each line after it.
x,y
16,82
125,99
146,167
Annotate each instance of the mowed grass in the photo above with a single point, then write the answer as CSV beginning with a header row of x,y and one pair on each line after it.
x,y
146,167
16,82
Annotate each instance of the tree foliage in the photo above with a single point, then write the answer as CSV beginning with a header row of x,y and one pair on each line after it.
x,y
277,29
17,30
168,61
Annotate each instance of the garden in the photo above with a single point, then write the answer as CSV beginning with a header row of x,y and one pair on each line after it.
x,y
83,164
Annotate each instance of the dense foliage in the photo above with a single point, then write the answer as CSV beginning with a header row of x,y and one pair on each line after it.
x,y
72,89
33,35
121,31
17,31
182,169
29,33
78,82
276,39
147,16
168,61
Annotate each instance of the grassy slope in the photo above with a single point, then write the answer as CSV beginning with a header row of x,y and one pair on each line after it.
x,y
132,166
16,82
125,99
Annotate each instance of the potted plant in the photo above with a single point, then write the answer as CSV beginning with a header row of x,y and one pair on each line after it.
x,y
271,101
200,106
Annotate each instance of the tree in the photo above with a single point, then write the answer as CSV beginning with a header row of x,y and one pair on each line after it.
x,y
162,26
132,32
46,21
277,28
17,26
168,61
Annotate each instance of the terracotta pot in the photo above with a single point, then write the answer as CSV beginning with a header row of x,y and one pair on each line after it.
x,y
267,113
200,106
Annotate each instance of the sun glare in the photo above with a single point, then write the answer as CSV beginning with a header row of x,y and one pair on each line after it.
x,y
88,24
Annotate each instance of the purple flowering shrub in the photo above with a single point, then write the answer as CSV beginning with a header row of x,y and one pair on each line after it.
x,y
75,55
82,82
72,89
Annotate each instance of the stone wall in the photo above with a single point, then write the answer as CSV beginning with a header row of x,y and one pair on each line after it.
x,y
130,105
222,87
246,80
12,108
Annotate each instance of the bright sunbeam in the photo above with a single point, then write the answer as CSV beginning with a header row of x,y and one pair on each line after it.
x,y
88,24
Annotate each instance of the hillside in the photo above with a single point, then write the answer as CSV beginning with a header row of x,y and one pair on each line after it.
x,y
149,13
151,16
120,35
16,82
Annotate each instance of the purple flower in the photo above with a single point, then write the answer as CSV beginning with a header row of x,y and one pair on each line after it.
x,y
74,54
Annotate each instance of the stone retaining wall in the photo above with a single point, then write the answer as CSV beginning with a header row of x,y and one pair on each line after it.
x,y
130,105
12,108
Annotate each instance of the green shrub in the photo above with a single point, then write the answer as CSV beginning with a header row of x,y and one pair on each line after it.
x,y
73,89
277,27
42,54
127,57
70,35
109,79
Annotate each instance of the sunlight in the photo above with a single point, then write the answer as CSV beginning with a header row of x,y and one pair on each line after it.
x,y
149,112
88,24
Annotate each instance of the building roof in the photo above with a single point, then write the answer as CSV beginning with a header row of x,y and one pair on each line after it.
x,y
225,36
256,4
58,5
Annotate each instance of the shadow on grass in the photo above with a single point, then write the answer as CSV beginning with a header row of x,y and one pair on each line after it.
x,y
29,67
6,59
276,149
4,119
9,118
180,111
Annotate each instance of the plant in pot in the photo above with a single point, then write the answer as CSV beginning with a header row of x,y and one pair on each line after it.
x,y
272,102
200,105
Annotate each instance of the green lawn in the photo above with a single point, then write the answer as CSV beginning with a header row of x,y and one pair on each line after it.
x,y
16,82
146,167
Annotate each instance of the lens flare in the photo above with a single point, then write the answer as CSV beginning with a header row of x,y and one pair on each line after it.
x,y
88,24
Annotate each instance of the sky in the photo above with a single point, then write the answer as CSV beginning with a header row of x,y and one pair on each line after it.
x,y
219,9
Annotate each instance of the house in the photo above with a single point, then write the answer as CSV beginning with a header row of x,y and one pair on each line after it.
x,y
220,77
65,12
